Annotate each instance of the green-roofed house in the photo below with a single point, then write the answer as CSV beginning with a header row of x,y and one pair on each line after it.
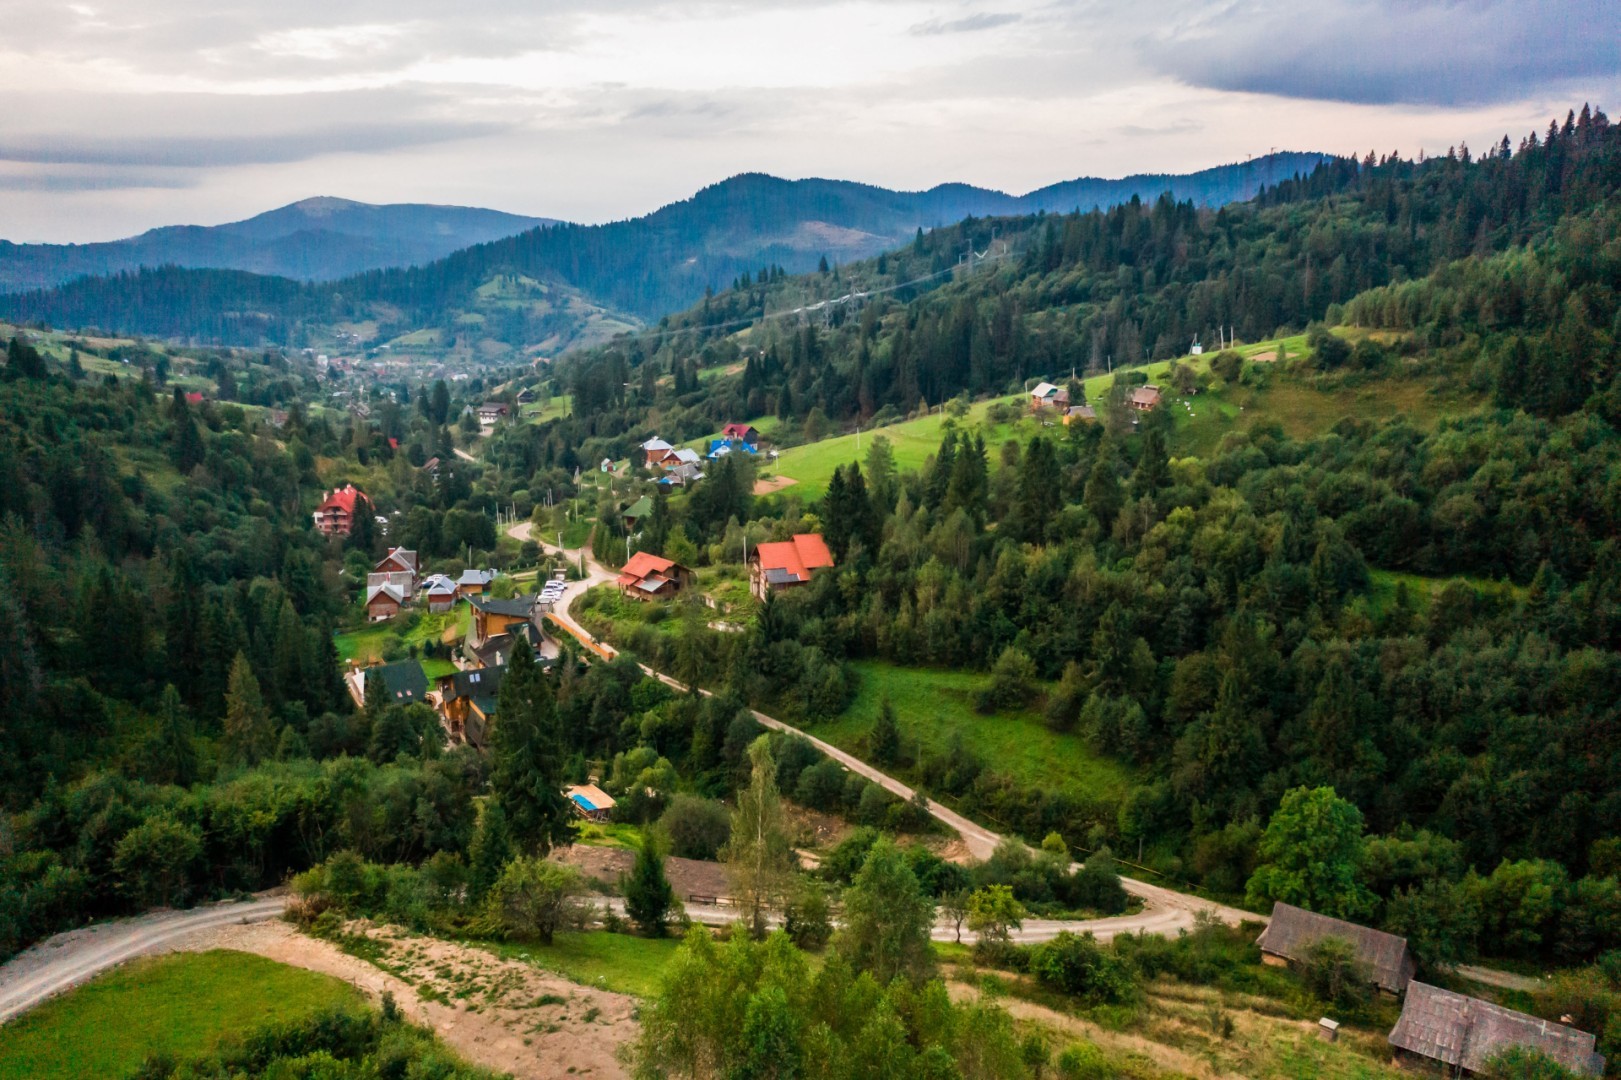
x,y
403,682
638,511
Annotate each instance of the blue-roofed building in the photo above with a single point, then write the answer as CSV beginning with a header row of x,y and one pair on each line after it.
x,y
590,801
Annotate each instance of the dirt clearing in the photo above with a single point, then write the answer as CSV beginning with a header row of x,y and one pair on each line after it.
x,y
768,484
502,1014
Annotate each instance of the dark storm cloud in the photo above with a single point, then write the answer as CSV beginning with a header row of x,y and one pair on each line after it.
x,y
967,24
1449,53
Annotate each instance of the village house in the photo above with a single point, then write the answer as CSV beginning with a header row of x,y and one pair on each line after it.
x,y
654,451
492,617
467,702
1048,396
475,582
590,801
491,413
383,601
1079,412
637,512
398,560
648,577
681,475
1145,398
336,514
1292,931
744,434
526,397
787,563
400,683
677,458
439,593
1463,1033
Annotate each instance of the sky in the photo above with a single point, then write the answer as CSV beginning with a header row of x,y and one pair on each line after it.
x,y
121,116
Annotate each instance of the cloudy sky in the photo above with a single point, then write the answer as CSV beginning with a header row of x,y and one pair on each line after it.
x,y
119,116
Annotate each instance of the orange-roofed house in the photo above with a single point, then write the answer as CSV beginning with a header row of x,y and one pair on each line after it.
x,y
648,577
787,563
336,514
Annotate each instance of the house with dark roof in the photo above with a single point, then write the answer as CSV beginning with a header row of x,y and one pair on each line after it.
x,y
1463,1033
637,511
467,702
336,514
740,433
649,577
403,682
787,563
492,617
1292,931
1079,413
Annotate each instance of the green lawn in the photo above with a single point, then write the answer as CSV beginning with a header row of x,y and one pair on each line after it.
x,y
553,408
373,640
931,704
180,1004
629,965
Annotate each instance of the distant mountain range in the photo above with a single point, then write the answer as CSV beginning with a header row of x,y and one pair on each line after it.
x,y
318,239
523,287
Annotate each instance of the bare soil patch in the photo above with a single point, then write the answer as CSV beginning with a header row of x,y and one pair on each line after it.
x,y
502,1014
1265,357
768,484
688,877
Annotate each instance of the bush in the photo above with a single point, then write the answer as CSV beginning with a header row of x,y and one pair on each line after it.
x,y
1012,685
1333,973
809,919
697,828
1084,1061
1076,964
535,898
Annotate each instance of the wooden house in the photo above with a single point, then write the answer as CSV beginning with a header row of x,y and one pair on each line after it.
x,y
1463,1033
383,601
590,802
788,563
1046,395
649,577
492,617
1292,931
1145,398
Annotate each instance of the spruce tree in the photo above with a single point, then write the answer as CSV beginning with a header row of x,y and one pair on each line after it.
x,y
648,895
527,751
489,852
249,734
886,734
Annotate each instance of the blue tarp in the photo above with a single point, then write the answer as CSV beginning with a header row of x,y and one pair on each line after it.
x,y
584,802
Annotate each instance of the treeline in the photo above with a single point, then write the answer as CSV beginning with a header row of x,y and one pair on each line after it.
x,y
1085,291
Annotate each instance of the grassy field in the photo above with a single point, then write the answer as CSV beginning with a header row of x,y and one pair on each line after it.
x,y
180,1004
538,413
373,641
930,705
629,965
912,442
1421,590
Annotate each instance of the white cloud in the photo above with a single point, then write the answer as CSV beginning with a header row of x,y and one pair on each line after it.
x,y
160,111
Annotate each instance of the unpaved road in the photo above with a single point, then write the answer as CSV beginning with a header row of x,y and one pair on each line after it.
x,y
69,959
1165,911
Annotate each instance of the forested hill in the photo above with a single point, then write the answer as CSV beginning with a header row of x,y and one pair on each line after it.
x,y
313,240
1088,290
645,266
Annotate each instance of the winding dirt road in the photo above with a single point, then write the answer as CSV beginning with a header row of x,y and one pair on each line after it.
x,y
1164,911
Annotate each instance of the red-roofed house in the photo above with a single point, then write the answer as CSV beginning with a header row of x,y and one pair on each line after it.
x,y
647,577
194,397
336,514
742,432
787,563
